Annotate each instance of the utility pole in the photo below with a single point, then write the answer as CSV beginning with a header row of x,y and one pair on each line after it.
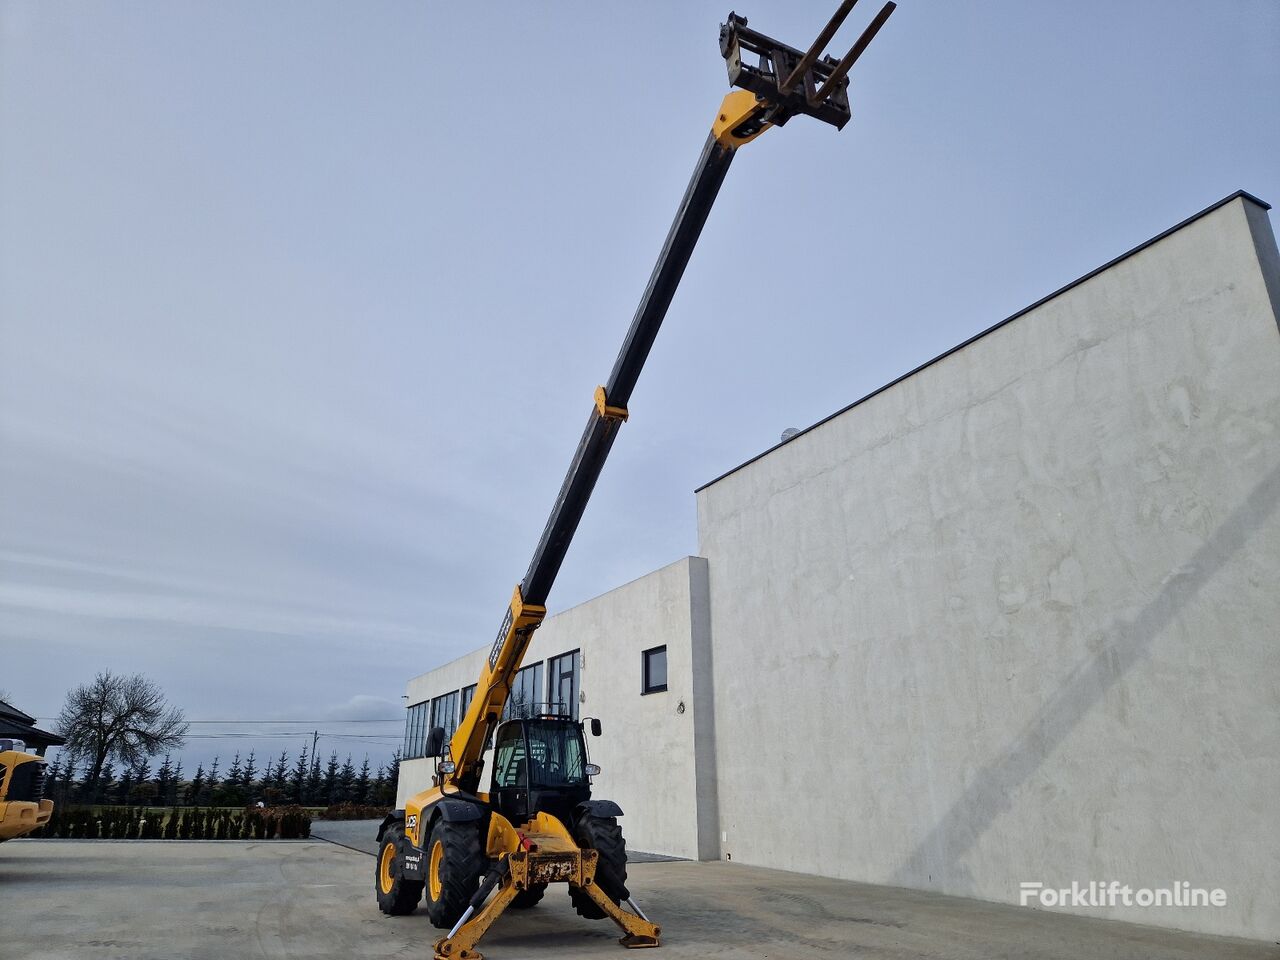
x,y
315,740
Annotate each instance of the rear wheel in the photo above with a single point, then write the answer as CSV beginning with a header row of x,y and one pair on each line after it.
x,y
603,835
455,864
529,897
397,894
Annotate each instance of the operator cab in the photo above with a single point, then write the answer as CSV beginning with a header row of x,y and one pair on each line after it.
x,y
540,766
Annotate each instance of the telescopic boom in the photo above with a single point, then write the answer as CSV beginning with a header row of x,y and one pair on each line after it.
x,y
782,83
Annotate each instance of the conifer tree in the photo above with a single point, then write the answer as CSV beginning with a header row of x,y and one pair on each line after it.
x,y
346,782
102,791
211,787
329,789
124,787
250,775
298,781
142,790
280,772
195,793
315,782
362,782
164,780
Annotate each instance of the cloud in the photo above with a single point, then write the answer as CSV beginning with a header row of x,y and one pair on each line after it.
x,y
363,706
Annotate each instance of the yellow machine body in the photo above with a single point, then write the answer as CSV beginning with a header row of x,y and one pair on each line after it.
x,y
19,817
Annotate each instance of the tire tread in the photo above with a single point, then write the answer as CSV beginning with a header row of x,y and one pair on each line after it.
x,y
405,893
603,835
464,865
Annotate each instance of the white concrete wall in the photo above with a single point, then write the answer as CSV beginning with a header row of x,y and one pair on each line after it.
x,y
1017,617
648,754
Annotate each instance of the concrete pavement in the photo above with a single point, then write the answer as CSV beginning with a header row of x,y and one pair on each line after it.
x,y
169,900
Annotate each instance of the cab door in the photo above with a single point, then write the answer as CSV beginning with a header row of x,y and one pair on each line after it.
x,y
510,791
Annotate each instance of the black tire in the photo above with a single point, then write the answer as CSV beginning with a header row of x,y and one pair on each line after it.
x,y
529,898
454,873
603,835
397,895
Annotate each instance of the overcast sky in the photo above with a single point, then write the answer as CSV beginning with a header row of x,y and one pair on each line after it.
x,y
302,304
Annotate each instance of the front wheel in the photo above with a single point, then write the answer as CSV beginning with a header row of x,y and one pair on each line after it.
x,y
603,835
455,864
397,894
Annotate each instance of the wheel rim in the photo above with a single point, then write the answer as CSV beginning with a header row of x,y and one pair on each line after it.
x,y
385,880
437,858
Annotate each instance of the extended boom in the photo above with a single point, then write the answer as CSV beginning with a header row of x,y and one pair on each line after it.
x,y
476,853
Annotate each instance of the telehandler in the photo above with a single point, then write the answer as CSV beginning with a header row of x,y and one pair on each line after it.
x,y
22,804
538,823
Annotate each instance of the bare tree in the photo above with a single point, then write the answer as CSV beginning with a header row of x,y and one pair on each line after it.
x,y
125,718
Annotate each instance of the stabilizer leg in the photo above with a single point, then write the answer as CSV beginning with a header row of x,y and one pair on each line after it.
x,y
460,942
639,931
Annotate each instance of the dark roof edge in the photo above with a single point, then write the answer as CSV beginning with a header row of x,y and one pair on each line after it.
x,y
1238,195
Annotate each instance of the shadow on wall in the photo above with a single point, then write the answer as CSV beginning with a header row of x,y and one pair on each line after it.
x,y
989,796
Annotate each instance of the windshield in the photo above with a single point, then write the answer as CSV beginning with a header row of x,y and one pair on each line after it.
x,y
554,755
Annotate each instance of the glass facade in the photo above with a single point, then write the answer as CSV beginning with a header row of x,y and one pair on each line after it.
x,y
415,731
444,713
468,693
526,690
562,684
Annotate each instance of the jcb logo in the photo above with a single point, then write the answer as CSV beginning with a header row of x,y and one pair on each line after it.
x,y
412,822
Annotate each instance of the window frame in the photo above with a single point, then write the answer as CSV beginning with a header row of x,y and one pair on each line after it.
x,y
554,677
415,730
537,677
465,696
439,705
646,687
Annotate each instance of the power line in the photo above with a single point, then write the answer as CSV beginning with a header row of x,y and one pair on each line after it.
x,y
288,735
274,720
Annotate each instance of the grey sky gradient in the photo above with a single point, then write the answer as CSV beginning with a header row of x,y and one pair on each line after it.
x,y
302,304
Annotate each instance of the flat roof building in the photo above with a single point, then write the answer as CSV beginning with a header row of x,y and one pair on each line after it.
x,y
1010,619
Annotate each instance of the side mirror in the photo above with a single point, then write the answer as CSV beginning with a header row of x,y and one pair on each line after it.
x,y
595,726
435,742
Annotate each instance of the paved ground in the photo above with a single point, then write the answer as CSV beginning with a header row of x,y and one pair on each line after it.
x,y
363,835
312,900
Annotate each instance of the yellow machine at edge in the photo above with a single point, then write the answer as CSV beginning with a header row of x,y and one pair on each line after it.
x,y
22,806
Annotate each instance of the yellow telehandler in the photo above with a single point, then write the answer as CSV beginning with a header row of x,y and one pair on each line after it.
x,y
22,804
474,851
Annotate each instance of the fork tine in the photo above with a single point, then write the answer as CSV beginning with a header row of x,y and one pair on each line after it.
x,y
842,68
816,48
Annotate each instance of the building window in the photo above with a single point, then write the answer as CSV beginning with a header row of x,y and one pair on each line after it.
x,y
444,713
655,670
525,688
415,731
468,693
562,684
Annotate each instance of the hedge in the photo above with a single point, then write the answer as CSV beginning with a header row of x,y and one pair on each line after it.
x,y
178,823
353,811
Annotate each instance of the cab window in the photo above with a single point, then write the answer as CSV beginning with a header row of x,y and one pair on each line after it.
x,y
555,754
509,766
